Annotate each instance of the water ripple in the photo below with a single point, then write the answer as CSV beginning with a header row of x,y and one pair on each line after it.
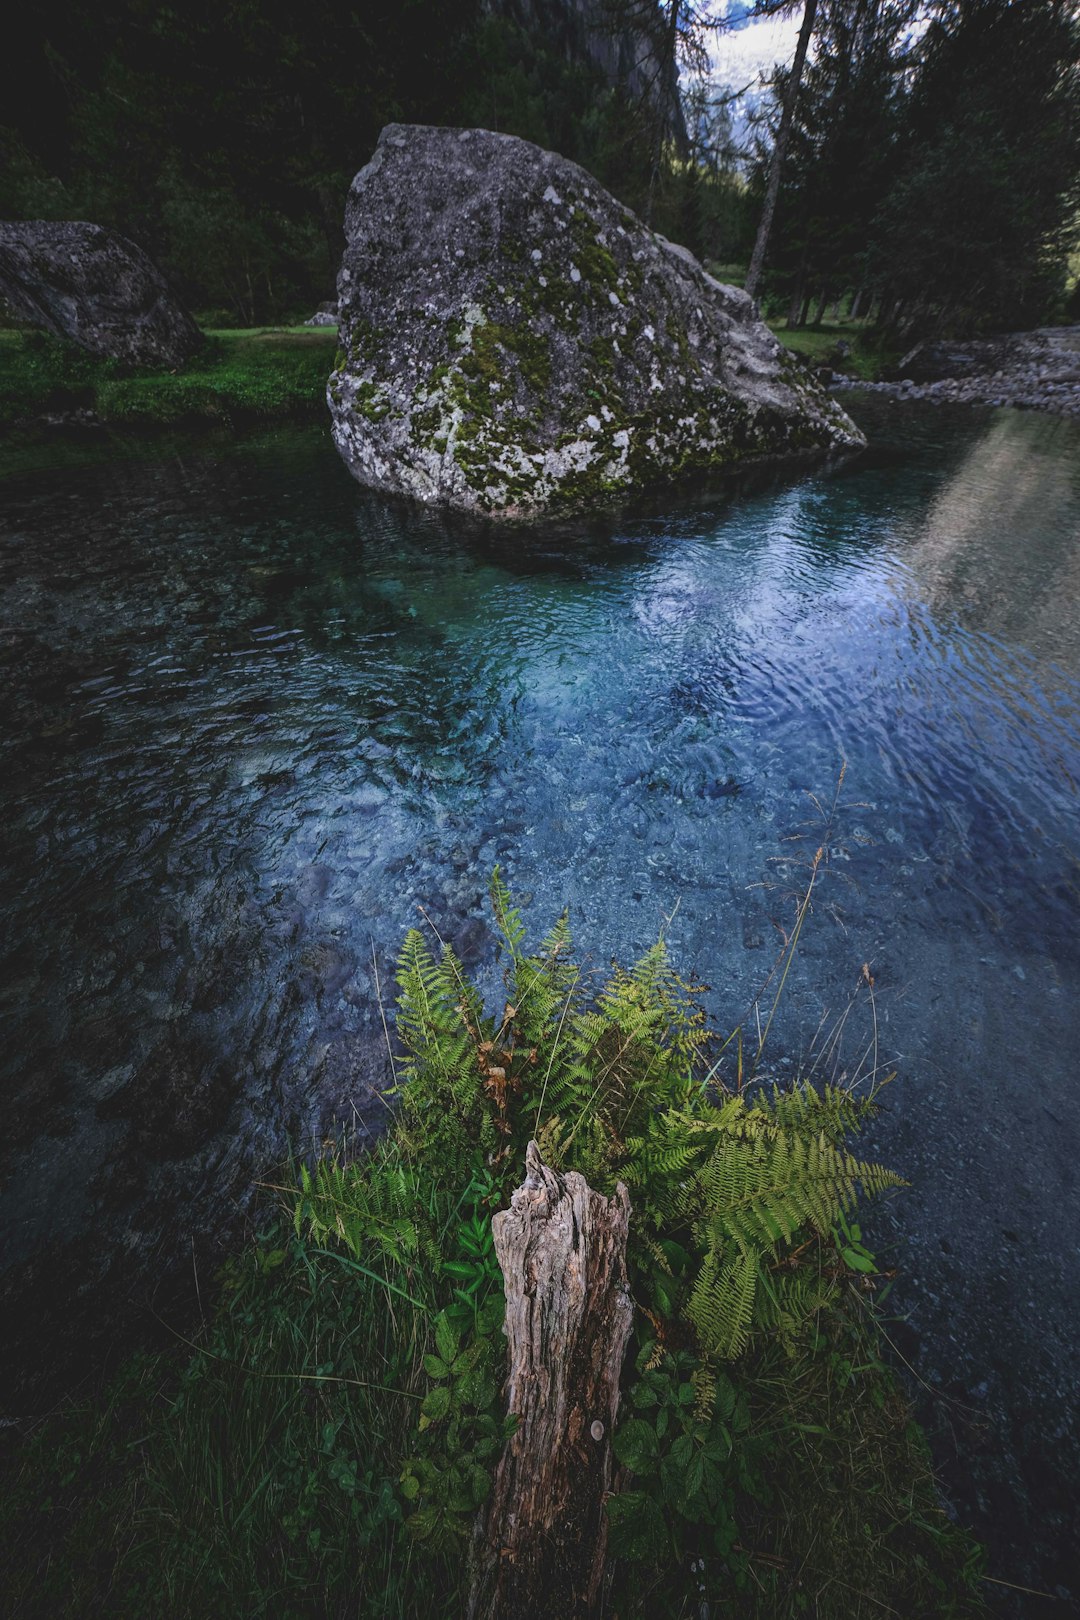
x,y
246,740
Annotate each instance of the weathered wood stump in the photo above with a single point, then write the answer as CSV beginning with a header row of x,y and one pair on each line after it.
x,y
543,1534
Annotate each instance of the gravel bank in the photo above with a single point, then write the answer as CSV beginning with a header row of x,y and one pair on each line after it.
x,y
1036,371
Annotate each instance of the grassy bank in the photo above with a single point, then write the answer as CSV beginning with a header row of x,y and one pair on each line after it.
x,y
238,375
866,357
323,1445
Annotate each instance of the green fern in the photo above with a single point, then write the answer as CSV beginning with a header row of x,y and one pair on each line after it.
x,y
736,1200
761,1186
613,1085
507,916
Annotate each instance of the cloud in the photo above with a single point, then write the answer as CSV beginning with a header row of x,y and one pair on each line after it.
x,y
748,53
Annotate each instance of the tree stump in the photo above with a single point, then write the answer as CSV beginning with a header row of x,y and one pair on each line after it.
x,y
543,1534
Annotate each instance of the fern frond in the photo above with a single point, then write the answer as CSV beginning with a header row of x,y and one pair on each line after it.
x,y
704,1381
506,913
753,1193
721,1303
788,1300
833,1110
550,1141
368,1209
559,942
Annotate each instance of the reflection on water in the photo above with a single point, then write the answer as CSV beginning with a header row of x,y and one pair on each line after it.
x,y
255,717
998,548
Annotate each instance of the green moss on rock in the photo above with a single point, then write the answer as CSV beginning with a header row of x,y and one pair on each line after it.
x,y
545,351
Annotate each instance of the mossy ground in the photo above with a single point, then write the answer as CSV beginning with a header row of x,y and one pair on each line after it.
x,y
238,375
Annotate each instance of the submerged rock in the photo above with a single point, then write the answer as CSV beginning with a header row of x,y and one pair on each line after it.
x,y
95,288
514,340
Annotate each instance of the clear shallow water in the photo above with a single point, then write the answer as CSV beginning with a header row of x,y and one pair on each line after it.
x,y
255,717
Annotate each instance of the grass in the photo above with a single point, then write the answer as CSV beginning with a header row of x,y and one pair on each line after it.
x,y
322,1444
867,358
258,1473
238,375
259,373
246,1478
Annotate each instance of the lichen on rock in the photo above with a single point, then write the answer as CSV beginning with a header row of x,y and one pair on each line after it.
x,y
95,288
514,341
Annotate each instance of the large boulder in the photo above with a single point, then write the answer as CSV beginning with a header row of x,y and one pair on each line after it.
x,y
85,283
513,340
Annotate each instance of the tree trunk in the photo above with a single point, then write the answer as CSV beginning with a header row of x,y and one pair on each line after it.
x,y
541,1541
668,62
772,191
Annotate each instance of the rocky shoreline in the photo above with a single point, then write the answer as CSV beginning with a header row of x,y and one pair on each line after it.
x,y
1034,371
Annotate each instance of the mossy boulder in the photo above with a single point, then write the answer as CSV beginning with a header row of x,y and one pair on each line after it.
x,y
514,341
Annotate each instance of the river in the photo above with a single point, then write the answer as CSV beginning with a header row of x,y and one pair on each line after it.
x,y
256,717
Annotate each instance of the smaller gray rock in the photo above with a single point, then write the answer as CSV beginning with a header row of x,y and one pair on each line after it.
x,y
95,288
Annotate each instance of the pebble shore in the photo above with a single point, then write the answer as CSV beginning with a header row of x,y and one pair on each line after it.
x,y
1035,371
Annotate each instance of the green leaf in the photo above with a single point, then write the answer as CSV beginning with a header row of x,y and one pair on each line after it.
x,y
475,1388
682,1452
635,1445
480,1480
724,1398
436,1403
637,1530
468,1358
675,1255
446,1339
490,1316
858,1260
436,1368
424,1522
695,1474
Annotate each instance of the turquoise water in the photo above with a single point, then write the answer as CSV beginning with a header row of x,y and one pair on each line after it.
x,y
256,717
